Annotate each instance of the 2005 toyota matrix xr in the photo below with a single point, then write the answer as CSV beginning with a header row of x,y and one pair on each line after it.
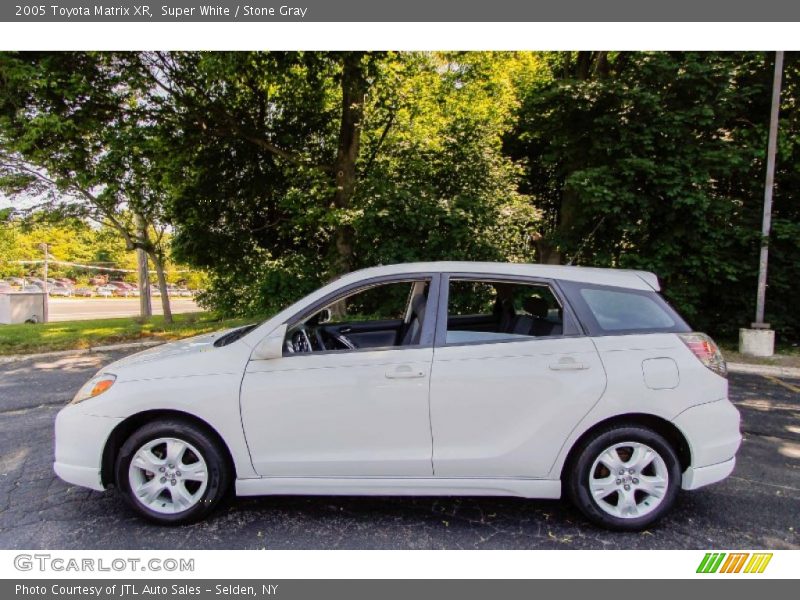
x,y
420,379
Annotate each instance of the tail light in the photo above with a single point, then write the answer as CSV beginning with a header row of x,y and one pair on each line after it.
x,y
704,348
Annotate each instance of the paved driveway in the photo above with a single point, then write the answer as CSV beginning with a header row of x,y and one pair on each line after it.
x,y
755,508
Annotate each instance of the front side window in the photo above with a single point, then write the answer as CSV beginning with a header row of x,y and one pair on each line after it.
x,y
485,311
381,316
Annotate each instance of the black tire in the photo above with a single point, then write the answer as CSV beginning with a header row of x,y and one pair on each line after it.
x,y
218,470
578,472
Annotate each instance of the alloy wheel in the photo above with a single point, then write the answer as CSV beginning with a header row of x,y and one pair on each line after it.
x,y
628,480
168,475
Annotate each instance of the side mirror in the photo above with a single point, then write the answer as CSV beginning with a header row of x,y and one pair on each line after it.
x,y
271,346
324,316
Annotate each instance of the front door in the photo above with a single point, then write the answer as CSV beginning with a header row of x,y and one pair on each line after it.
x,y
349,398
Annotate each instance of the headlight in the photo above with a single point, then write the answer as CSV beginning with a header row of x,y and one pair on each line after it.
x,y
94,387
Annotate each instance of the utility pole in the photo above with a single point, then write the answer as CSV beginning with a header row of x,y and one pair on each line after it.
x,y
760,339
46,306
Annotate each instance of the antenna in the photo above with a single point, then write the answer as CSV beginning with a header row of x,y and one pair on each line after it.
x,y
585,240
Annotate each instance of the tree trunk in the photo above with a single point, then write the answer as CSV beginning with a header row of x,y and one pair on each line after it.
x,y
162,286
143,275
354,89
586,65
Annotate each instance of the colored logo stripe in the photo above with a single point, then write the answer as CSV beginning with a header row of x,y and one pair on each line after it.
x,y
758,563
734,562
713,562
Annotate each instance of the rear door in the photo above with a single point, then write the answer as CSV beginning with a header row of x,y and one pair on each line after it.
x,y
505,397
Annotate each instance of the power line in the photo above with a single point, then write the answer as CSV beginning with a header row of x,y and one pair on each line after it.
x,y
96,268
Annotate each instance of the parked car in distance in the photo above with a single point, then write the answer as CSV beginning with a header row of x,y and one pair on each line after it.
x,y
131,287
5,287
119,288
446,378
32,288
105,291
84,292
17,281
60,290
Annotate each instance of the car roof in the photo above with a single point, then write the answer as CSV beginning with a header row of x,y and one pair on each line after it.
x,y
626,278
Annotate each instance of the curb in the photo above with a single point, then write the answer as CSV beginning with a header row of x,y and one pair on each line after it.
x,y
80,352
773,370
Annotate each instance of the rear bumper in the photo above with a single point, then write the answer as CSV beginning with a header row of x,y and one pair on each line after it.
x,y
80,441
712,431
694,478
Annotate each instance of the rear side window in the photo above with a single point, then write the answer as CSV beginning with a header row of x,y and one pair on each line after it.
x,y
609,310
617,311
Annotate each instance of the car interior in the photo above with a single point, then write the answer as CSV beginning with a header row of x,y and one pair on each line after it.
x,y
393,314
380,316
486,311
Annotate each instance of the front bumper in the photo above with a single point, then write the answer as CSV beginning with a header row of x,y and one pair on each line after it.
x,y
80,440
712,431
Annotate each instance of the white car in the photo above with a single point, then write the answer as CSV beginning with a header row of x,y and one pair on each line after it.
x,y
420,379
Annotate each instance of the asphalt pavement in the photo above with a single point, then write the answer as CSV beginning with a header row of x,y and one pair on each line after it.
x,y
758,507
82,309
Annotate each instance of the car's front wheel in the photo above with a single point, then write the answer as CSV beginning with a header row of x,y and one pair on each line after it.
x,y
624,478
172,472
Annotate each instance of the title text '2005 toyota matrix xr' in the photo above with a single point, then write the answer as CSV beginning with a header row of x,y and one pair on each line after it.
x,y
420,379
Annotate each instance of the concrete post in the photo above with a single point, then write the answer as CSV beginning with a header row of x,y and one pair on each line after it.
x,y
759,340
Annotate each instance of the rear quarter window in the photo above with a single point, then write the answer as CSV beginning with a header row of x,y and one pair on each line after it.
x,y
610,310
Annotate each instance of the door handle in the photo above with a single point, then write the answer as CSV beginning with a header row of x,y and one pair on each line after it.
x,y
568,364
404,372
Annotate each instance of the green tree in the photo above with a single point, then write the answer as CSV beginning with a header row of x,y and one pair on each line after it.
x,y
77,135
655,161
290,168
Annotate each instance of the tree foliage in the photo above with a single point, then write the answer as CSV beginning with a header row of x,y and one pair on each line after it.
x,y
279,170
656,161
258,187
78,135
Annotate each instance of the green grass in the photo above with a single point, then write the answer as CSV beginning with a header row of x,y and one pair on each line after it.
x,y
70,335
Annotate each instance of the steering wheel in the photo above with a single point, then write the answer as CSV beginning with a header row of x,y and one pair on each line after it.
x,y
298,342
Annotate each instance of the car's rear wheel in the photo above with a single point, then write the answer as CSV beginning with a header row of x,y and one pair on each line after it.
x,y
172,472
625,477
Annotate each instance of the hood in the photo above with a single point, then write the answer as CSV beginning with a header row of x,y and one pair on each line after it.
x,y
181,348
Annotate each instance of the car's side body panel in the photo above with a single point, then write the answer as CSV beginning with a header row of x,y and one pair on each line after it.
x,y
362,413
399,486
503,409
190,377
628,392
